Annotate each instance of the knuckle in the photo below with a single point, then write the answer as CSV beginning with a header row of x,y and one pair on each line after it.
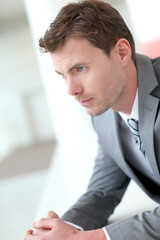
x,y
41,220
50,211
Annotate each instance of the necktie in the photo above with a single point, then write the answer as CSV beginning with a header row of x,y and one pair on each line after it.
x,y
133,125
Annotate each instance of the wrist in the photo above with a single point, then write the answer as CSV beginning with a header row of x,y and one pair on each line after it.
x,y
97,234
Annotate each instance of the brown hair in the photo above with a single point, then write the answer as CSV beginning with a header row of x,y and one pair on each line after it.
x,y
94,20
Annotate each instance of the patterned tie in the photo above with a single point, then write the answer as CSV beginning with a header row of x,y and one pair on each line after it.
x,y
133,125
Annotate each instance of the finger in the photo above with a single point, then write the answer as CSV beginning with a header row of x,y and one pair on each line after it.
x,y
29,235
38,232
43,223
52,214
29,232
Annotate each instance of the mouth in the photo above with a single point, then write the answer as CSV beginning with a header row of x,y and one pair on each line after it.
x,y
86,102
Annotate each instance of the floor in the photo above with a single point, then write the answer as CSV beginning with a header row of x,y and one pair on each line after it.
x,y
22,180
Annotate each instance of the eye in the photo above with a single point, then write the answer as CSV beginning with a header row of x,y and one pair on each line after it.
x,y
80,69
62,75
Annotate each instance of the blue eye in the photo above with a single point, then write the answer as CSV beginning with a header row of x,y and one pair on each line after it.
x,y
80,69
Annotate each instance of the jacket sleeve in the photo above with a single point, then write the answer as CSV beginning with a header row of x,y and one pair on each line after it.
x,y
145,225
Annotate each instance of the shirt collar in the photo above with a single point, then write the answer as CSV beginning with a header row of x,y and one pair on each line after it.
x,y
134,112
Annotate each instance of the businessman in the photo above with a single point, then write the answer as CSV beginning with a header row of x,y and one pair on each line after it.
x,y
93,50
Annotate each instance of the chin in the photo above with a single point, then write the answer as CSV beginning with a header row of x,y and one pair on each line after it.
x,y
95,112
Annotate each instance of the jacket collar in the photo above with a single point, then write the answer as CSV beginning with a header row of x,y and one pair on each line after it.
x,y
147,106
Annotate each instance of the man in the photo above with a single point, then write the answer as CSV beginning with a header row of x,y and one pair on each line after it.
x,y
93,50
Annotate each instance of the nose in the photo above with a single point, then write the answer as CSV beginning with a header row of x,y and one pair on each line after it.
x,y
74,86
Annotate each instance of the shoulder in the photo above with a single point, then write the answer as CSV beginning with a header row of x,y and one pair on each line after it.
x,y
156,67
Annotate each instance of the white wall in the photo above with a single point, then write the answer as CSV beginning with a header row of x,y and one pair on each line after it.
x,y
24,114
145,17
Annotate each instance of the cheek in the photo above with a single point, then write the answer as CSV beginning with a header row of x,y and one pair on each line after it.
x,y
98,80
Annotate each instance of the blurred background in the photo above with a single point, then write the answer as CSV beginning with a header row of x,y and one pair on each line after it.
x,y
46,139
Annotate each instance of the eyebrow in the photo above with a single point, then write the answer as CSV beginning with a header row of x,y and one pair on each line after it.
x,y
74,66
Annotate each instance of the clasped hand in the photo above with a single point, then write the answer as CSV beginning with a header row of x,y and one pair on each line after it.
x,y
51,228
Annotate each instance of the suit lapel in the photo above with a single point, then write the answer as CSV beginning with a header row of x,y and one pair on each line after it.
x,y
119,154
149,113
148,106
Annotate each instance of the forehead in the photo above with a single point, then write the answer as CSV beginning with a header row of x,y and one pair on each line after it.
x,y
74,50
75,44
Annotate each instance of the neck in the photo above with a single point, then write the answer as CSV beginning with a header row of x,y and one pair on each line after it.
x,y
127,98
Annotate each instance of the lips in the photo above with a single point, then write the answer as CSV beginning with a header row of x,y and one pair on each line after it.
x,y
86,102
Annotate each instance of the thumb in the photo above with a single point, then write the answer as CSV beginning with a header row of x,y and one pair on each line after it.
x,y
52,214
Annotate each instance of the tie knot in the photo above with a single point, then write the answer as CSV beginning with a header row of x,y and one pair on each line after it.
x,y
133,124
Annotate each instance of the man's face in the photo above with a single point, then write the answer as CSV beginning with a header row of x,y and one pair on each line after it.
x,y
94,79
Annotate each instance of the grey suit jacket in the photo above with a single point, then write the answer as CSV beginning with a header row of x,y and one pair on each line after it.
x,y
113,166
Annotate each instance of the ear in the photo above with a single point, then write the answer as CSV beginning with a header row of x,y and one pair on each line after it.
x,y
124,50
